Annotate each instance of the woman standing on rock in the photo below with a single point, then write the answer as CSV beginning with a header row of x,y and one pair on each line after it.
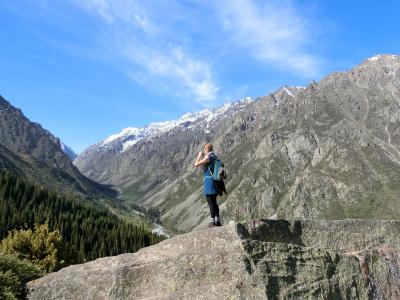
x,y
206,158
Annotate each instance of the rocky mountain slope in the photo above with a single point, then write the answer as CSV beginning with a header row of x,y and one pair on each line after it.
x,y
265,259
327,151
31,151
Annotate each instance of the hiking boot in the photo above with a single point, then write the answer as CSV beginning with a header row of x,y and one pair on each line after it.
x,y
218,223
211,224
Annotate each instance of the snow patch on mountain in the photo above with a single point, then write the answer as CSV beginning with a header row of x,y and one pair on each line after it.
x,y
374,58
382,56
126,145
125,132
285,89
285,93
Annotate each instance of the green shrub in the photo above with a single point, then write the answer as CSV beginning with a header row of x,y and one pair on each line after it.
x,y
42,247
9,286
14,274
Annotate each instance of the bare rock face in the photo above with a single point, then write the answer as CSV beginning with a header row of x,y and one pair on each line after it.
x,y
264,259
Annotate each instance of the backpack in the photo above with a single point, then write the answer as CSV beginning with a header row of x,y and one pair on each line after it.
x,y
218,174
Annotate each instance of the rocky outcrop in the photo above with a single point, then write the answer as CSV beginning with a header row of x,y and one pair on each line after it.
x,y
264,259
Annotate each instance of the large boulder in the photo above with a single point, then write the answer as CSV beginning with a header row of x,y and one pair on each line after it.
x,y
270,259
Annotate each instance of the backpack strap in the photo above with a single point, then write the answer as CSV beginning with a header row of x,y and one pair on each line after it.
x,y
210,171
214,159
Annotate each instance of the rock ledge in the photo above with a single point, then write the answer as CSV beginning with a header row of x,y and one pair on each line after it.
x,y
349,259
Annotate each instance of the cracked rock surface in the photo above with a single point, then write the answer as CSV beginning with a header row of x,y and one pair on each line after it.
x,y
260,259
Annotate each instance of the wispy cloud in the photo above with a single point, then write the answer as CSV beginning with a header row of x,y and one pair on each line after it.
x,y
272,31
154,60
179,72
178,48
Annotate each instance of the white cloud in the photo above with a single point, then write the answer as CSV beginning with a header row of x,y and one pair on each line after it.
x,y
175,71
272,31
155,61
174,47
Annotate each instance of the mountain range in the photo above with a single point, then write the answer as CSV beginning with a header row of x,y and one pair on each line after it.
x,y
329,150
319,156
29,150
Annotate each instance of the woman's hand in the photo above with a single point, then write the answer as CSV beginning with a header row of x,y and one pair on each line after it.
x,y
201,160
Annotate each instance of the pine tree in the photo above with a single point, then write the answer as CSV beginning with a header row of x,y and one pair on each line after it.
x,y
81,223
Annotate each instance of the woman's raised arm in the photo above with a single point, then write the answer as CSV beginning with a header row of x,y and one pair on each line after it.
x,y
201,161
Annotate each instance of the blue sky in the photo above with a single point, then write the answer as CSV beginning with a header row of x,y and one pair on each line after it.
x,y
85,69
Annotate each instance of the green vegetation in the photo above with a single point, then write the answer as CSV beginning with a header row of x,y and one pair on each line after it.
x,y
28,254
71,231
134,194
382,205
92,230
14,274
126,213
44,248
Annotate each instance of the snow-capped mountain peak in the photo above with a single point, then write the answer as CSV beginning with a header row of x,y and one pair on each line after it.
x,y
130,136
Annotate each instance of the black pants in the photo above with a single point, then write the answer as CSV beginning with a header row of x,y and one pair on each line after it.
x,y
212,203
